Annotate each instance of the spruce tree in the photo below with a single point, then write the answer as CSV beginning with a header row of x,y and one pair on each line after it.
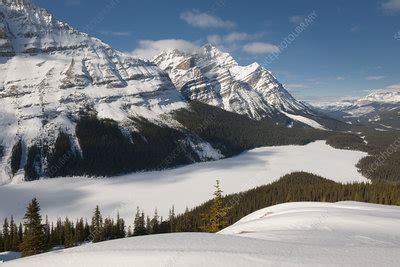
x,y
47,230
108,226
6,235
120,227
171,219
155,224
34,240
217,218
69,235
79,231
14,237
139,223
96,229
20,233
1,242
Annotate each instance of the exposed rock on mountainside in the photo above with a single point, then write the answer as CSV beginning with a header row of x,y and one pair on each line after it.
x,y
215,78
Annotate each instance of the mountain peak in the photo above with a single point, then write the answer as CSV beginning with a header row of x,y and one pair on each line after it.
x,y
215,78
17,2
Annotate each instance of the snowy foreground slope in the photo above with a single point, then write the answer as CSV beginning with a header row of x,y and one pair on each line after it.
x,y
292,234
183,187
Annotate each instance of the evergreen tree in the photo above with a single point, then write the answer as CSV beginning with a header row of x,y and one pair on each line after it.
x,y
79,231
96,229
149,229
184,222
108,231
139,223
20,233
6,235
34,240
14,237
217,218
155,224
171,219
129,234
69,235
47,230
120,227
1,242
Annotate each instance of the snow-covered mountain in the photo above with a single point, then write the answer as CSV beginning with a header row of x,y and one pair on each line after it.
x,y
386,96
215,78
51,73
381,109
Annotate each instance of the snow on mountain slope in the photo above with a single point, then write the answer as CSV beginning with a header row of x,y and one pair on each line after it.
x,y
51,74
379,110
292,234
305,120
215,78
384,96
381,100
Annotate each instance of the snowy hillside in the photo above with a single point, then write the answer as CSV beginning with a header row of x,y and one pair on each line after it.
x,y
292,234
215,78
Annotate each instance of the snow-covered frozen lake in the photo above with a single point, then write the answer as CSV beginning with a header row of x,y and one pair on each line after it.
x,y
182,187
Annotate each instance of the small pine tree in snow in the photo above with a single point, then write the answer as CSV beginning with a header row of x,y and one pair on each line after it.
x,y
96,229
216,219
34,239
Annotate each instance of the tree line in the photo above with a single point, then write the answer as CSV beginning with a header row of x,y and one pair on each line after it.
x,y
294,187
383,148
33,236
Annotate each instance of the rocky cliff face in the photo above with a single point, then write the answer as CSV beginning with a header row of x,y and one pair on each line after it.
x,y
215,78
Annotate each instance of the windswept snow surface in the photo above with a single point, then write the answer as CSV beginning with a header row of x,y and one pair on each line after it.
x,y
292,234
183,187
9,255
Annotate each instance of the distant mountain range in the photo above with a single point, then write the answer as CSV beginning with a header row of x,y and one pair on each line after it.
x,y
380,109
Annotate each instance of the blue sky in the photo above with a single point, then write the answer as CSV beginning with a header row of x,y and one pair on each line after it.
x,y
346,49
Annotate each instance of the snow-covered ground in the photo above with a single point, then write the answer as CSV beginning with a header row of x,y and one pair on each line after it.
x,y
292,234
183,187
9,255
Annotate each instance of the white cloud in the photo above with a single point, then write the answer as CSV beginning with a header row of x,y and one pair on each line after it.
x,y
391,7
340,78
73,2
295,86
374,78
260,48
117,33
233,37
297,19
148,49
355,28
204,20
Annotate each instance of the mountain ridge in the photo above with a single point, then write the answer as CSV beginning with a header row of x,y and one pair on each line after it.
x,y
214,77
